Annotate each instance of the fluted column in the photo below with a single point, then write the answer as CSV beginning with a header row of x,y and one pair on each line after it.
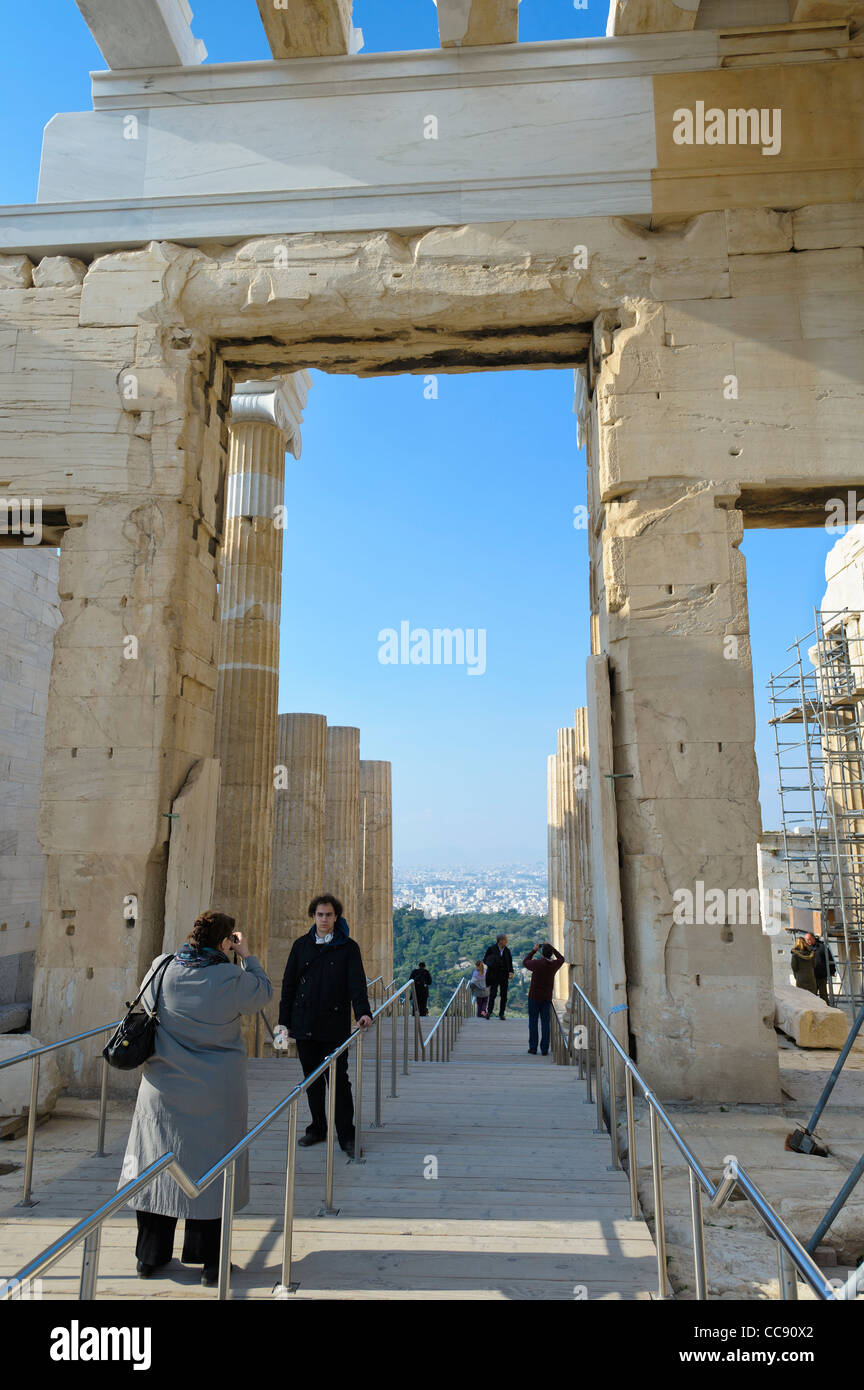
x,y
265,421
299,826
573,867
582,811
376,809
342,862
556,895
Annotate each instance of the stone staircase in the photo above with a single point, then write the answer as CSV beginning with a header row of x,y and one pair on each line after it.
x,y
486,1180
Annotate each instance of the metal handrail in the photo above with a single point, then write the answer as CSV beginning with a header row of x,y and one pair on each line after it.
x,y
89,1229
33,1057
791,1254
442,1036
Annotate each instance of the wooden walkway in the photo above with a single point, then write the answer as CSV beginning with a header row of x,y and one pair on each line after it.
x,y
524,1205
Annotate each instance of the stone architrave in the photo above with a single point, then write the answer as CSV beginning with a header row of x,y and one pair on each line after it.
x,y
342,856
191,852
376,811
299,825
265,421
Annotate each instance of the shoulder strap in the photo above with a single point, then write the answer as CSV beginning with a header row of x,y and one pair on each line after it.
x,y
162,966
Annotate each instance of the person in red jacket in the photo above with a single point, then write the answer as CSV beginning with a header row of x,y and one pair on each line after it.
x,y
543,972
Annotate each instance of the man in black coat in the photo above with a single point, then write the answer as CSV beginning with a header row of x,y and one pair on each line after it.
x,y
323,979
422,981
499,971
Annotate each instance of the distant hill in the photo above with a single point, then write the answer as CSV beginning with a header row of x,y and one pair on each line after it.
x,y
450,945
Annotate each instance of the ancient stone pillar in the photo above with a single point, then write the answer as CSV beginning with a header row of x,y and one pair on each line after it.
x,y
265,421
130,466
671,605
556,896
299,824
342,861
376,821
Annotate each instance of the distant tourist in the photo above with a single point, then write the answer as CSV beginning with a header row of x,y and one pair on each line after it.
x,y
479,988
324,977
192,1098
543,972
822,959
422,980
803,965
499,971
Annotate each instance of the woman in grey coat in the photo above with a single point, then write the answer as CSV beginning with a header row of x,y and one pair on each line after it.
x,y
192,1099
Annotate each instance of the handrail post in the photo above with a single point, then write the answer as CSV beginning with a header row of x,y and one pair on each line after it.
x,y
418,1031
570,1027
787,1279
659,1217
598,1076
377,1124
90,1265
27,1200
613,1105
227,1230
405,1026
358,1105
394,1047
698,1236
580,1019
631,1145
327,1209
288,1224
586,1039
103,1110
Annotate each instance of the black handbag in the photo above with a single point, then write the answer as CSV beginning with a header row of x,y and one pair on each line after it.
x,y
135,1037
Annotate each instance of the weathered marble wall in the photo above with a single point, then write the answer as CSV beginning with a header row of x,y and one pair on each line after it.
x,y
29,616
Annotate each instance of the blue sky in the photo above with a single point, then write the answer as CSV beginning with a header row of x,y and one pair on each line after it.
x,y
455,512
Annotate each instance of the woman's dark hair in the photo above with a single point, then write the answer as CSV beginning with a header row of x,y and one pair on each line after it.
x,y
210,929
325,898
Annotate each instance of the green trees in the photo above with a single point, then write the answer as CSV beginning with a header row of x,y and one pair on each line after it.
x,y
450,945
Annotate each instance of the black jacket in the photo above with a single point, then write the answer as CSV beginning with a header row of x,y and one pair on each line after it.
x,y
422,980
319,987
822,957
498,965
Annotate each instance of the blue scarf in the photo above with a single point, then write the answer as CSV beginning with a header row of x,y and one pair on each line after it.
x,y
200,955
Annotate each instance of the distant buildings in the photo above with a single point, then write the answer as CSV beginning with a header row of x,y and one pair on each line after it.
x,y
500,888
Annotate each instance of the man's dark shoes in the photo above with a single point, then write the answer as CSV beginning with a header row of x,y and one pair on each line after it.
x,y
147,1271
532,1053
307,1140
348,1148
210,1275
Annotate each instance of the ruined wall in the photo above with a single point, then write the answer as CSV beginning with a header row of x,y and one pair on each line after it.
x,y
720,400
29,614
125,433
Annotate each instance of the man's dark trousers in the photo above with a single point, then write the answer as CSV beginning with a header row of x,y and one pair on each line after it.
x,y
539,1009
312,1054
494,986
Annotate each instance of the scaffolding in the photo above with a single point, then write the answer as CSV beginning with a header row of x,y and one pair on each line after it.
x,y
818,722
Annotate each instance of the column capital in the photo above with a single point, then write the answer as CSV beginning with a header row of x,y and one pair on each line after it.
x,y
278,402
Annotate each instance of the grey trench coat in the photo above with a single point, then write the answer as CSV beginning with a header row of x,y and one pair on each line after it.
x,y
193,1097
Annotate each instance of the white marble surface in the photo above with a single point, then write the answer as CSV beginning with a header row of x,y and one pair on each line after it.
x,y
593,129
233,150
143,33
